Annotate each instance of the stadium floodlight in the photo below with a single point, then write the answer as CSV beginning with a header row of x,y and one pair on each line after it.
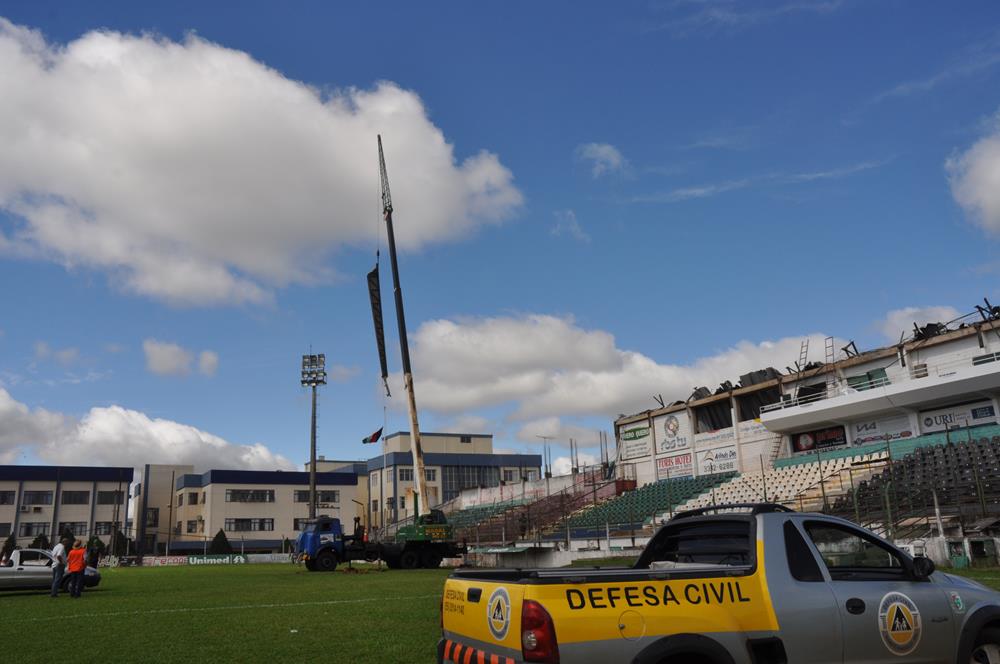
x,y
313,375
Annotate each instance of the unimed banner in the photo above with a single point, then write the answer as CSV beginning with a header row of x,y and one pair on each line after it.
x,y
220,559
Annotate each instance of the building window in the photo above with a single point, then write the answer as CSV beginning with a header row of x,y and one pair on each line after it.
x,y
76,528
152,517
388,475
249,496
110,498
532,475
374,479
299,524
405,474
177,528
203,501
465,439
331,496
180,500
249,525
37,497
4,529
509,475
34,528
192,526
75,498
6,497
103,527
430,474
193,498
390,502
374,506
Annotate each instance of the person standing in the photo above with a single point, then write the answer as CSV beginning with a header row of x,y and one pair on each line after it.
x,y
76,563
59,567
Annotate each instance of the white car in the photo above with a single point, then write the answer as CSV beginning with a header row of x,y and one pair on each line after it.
x,y
32,568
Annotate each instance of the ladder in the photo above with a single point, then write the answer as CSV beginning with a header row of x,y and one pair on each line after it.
x,y
803,354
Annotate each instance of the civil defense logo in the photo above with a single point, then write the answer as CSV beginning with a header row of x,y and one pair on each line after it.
x,y
498,613
899,623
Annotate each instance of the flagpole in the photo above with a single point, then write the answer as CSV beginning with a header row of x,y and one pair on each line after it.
x,y
381,482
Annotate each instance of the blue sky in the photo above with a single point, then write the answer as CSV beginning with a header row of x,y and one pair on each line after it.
x,y
671,193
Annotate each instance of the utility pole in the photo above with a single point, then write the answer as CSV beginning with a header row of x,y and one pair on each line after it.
x,y
313,375
545,454
419,481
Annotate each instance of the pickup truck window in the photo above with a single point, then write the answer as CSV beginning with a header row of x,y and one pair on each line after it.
x,y
849,555
701,543
801,563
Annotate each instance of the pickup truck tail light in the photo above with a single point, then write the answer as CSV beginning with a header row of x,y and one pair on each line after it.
x,y
538,634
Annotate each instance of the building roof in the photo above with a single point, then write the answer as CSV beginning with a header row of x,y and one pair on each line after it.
x,y
449,435
263,477
66,474
448,459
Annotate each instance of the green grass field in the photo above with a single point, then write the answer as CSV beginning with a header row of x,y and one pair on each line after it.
x,y
249,613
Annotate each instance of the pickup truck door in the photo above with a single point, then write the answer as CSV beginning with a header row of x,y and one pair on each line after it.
x,y
886,614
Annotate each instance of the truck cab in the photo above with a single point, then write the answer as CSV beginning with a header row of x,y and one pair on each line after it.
x,y
738,584
320,545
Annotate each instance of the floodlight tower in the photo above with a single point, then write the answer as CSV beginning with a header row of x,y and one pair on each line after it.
x,y
313,375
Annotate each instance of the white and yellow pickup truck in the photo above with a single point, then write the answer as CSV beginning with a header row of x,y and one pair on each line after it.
x,y
743,584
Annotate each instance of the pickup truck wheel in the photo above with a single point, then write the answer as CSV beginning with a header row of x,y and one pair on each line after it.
x,y
430,559
987,647
409,560
326,561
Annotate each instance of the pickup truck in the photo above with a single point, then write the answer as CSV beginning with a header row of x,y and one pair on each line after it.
x,y
32,568
738,584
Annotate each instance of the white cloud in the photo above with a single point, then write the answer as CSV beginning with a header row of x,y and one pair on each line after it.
x,y
119,436
541,366
732,16
900,321
603,158
568,225
564,466
975,180
338,373
468,423
166,359
559,431
208,362
64,356
223,200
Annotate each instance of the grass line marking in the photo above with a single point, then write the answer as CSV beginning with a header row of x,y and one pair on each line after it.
x,y
236,607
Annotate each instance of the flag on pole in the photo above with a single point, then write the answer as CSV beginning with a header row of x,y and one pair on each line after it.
x,y
373,438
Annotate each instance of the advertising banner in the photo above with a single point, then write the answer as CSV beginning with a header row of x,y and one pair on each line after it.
x,y
966,415
269,557
160,561
871,431
218,559
673,432
717,460
715,438
634,441
677,465
819,440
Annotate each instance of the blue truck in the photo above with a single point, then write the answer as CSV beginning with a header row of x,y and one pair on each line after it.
x,y
322,544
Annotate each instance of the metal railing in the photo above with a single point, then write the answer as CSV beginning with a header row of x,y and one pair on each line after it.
x,y
837,387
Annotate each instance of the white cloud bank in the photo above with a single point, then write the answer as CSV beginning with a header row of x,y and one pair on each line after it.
x,y
900,321
116,436
975,180
603,158
543,366
194,174
169,359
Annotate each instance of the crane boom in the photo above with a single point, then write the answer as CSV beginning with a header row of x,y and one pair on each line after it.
x,y
419,480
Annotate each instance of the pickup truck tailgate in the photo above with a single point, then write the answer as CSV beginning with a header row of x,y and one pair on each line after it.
x,y
481,622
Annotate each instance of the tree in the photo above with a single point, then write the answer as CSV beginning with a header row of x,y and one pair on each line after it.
x,y
120,545
40,542
220,543
67,534
97,545
8,546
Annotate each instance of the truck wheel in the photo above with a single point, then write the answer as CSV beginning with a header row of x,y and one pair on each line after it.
x,y
430,559
409,560
311,565
326,561
987,647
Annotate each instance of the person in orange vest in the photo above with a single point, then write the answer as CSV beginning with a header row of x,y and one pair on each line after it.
x,y
76,563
